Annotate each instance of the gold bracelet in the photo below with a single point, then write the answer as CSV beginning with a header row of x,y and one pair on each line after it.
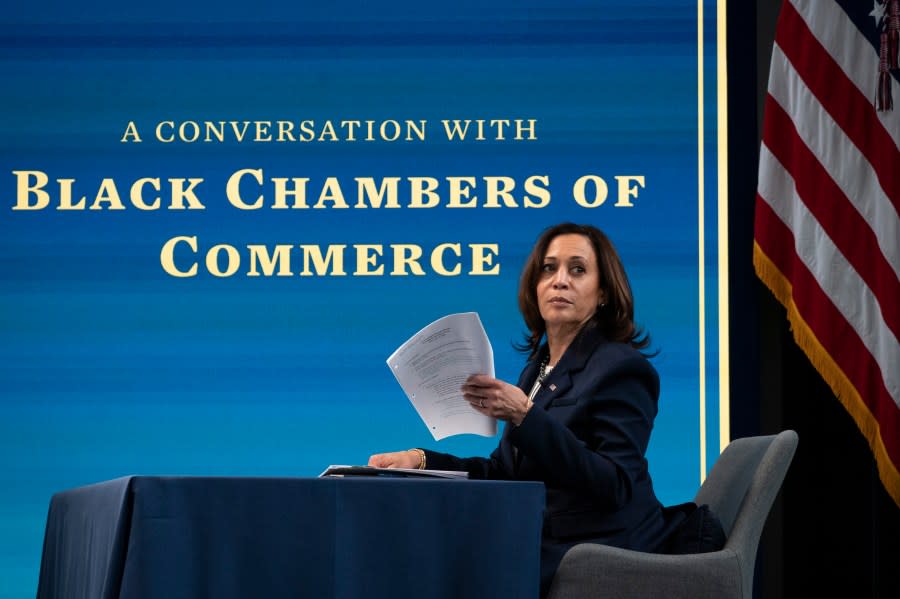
x,y
421,457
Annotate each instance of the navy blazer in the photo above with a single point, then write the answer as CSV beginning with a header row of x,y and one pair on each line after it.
x,y
585,438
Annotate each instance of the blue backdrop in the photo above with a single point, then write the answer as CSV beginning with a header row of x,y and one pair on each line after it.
x,y
110,365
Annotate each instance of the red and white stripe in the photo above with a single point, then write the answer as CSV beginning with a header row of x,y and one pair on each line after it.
x,y
827,210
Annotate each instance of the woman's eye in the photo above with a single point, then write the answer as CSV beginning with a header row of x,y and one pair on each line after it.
x,y
578,269
547,268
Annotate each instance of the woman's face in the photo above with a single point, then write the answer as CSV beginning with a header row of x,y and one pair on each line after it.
x,y
568,290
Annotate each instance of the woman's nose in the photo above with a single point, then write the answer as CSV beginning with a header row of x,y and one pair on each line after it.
x,y
560,279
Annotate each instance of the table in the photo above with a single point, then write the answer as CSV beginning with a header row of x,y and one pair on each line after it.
x,y
143,537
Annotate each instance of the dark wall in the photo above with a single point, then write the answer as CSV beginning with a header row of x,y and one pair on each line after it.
x,y
834,531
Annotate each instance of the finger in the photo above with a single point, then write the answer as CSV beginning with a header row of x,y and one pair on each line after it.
x,y
379,461
478,390
480,404
476,394
480,380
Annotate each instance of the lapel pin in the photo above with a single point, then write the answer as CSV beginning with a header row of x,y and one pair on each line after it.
x,y
553,387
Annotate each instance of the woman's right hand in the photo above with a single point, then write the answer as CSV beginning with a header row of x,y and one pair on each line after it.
x,y
396,459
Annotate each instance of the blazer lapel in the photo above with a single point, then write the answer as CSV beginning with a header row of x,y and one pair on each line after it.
x,y
555,385
559,381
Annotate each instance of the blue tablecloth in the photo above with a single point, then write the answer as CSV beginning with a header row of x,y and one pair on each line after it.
x,y
245,538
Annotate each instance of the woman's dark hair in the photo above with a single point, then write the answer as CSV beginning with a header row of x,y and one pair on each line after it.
x,y
615,318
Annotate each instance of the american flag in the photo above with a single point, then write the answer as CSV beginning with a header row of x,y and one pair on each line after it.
x,y
827,231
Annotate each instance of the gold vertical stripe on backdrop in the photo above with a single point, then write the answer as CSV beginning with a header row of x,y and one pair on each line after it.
x,y
722,152
701,266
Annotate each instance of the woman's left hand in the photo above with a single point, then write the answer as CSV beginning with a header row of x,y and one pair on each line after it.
x,y
496,398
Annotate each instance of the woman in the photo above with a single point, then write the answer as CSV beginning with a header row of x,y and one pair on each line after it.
x,y
580,417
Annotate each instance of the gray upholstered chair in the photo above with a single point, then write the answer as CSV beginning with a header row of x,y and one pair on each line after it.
x,y
740,489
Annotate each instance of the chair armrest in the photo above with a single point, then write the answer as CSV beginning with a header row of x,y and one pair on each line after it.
x,y
591,570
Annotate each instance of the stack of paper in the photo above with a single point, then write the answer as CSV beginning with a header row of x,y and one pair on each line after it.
x,y
400,472
432,366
